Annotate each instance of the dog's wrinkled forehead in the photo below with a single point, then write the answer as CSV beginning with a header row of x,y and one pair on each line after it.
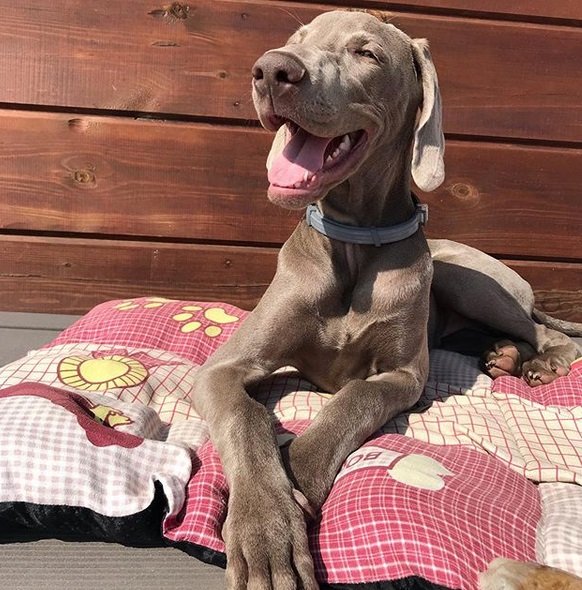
x,y
338,28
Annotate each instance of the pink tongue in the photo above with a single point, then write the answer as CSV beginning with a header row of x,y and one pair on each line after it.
x,y
304,153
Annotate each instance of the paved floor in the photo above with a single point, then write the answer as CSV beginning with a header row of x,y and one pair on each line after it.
x,y
21,332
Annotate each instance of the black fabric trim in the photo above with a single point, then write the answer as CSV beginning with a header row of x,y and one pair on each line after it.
x,y
219,559
411,583
24,521
199,552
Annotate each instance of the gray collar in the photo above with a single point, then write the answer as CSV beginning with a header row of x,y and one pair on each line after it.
x,y
366,235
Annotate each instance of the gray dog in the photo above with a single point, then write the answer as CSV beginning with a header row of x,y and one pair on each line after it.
x,y
356,106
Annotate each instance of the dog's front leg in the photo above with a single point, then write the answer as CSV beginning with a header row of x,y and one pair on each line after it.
x,y
265,531
351,416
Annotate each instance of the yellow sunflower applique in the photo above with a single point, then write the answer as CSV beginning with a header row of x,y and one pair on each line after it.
x,y
99,374
108,369
193,317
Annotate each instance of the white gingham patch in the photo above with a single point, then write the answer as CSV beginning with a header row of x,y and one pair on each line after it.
x,y
59,448
560,529
542,443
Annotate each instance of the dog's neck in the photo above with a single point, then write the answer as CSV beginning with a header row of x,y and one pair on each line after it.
x,y
377,195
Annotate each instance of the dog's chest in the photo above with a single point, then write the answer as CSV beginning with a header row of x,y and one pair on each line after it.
x,y
366,317
347,348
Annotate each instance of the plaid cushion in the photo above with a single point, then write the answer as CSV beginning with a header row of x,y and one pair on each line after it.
x,y
399,508
437,494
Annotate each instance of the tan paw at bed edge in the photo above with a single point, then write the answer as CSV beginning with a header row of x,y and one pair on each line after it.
x,y
507,574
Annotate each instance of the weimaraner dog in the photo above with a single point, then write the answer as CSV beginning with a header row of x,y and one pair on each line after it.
x,y
356,106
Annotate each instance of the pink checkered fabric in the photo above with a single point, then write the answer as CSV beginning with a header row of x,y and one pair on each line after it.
x,y
189,329
164,341
399,508
164,380
565,391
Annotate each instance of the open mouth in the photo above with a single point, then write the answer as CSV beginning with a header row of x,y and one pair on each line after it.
x,y
308,163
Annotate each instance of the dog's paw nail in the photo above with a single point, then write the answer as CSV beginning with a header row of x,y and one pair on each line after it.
x,y
308,510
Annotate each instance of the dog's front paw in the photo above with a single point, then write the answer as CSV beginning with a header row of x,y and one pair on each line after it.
x,y
544,369
266,541
309,476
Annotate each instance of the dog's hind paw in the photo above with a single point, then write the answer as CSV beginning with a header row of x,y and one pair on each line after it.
x,y
503,359
542,370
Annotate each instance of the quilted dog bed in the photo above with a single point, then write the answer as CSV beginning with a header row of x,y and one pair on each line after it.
x,y
98,440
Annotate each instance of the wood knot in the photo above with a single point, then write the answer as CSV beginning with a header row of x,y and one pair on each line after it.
x,y
79,125
175,10
180,11
84,176
227,263
165,44
463,191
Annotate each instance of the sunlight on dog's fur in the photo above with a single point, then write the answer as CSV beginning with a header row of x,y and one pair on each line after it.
x,y
507,574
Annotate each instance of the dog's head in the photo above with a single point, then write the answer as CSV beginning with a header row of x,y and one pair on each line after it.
x,y
341,90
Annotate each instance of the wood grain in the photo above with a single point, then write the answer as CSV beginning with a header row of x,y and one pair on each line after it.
x,y
556,10
195,59
118,176
510,200
57,275
68,275
115,176
558,286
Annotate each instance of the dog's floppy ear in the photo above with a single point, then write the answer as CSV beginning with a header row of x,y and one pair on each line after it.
x,y
277,146
428,166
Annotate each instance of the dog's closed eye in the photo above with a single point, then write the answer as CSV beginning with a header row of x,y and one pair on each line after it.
x,y
366,53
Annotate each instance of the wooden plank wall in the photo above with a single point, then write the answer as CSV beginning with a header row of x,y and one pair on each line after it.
x,y
131,162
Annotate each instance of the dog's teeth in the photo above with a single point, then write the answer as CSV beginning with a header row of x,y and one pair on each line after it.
x,y
329,159
305,176
336,153
346,143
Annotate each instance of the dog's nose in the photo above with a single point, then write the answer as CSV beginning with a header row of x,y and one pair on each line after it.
x,y
277,71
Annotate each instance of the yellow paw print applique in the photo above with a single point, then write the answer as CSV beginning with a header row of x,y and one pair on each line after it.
x,y
109,416
192,318
150,303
